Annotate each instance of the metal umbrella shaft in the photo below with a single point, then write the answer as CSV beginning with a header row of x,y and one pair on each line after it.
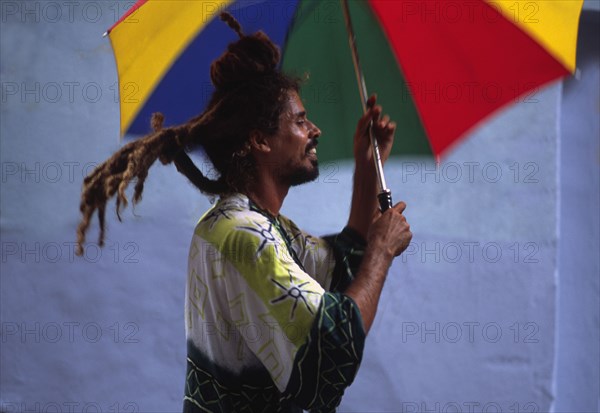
x,y
385,195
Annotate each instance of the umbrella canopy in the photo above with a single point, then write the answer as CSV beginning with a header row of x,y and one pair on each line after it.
x,y
439,67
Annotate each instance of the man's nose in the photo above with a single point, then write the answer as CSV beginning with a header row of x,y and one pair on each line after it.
x,y
315,131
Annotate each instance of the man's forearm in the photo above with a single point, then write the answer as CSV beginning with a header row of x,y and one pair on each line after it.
x,y
366,288
364,199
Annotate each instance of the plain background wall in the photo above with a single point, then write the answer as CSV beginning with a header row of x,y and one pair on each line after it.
x,y
494,306
577,371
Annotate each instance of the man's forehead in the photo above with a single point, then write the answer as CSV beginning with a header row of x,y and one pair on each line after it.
x,y
294,106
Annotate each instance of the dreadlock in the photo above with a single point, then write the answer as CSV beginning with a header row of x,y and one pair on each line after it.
x,y
250,94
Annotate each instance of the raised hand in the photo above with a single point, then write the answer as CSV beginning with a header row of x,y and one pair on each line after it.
x,y
383,130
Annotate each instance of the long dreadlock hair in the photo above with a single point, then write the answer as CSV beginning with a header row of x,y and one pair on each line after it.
x,y
250,94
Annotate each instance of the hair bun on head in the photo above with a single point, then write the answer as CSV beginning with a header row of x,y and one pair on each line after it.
x,y
250,57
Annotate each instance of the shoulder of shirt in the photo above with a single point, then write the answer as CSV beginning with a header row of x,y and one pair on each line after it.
x,y
290,226
228,216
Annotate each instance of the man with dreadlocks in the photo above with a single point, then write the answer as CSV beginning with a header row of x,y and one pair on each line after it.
x,y
275,318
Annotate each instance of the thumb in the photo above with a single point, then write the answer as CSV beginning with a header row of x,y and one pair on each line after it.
x,y
400,207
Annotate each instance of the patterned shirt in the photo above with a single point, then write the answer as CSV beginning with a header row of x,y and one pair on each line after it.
x,y
268,328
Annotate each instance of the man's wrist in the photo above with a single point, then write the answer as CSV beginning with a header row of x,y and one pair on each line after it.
x,y
378,248
364,167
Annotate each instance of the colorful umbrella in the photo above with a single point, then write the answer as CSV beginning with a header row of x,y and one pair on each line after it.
x,y
439,67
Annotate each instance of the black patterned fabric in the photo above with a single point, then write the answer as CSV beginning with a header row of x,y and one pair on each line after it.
x,y
210,388
323,368
329,361
348,247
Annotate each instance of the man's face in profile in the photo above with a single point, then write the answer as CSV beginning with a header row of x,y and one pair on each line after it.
x,y
294,145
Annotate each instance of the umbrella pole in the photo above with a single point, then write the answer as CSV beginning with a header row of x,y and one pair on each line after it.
x,y
385,195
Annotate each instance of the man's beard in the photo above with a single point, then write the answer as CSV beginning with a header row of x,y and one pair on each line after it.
x,y
300,174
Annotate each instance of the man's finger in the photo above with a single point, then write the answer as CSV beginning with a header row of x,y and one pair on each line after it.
x,y
376,112
400,206
365,120
371,101
363,123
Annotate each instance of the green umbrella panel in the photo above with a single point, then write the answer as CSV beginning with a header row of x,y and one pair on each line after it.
x,y
317,46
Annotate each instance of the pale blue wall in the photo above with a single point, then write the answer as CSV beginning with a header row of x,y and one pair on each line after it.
x,y
577,367
106,333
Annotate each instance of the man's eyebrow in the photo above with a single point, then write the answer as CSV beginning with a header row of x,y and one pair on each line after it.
x,y
301,114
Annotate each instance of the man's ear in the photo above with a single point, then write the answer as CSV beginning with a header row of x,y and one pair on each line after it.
x,y
259,142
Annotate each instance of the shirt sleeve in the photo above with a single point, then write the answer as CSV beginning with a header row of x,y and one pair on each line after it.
x,y
348,248
328,362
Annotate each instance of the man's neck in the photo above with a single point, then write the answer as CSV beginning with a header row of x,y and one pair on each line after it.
x,y
267,195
